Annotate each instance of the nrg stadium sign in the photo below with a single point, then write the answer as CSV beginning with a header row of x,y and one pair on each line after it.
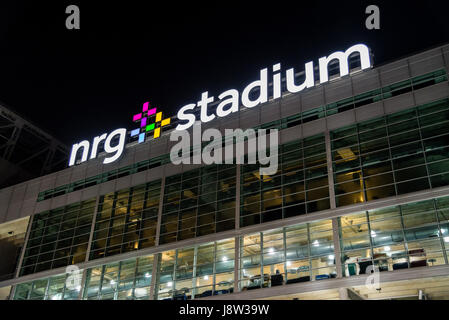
x,y
229,102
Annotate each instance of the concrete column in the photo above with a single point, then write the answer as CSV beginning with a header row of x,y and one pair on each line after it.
x,y
333,204
83,284
154,283
343,293
22,254
159,213
330,170
337,251
236,263
237,197
92,229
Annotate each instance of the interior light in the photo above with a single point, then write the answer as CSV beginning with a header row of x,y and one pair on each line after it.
x,y
443,231
373,233
206,277
446,239
271,250
112,282
147,275
289,263
387,248
224,259
331,257
169,284
57,296
316,243
140,292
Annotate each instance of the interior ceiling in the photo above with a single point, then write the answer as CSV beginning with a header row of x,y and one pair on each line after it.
x,y
17,227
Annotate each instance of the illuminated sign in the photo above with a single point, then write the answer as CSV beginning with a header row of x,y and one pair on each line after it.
x,y
229,100
145,126
151,121
84,147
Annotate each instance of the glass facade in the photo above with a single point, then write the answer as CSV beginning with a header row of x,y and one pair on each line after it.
x,y
392,155
293,254
126,220
392,238
198,202
124,280
58,237
299,186
54,288
196,272
405,236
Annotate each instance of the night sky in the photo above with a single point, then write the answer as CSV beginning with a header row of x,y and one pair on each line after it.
x,y
77,84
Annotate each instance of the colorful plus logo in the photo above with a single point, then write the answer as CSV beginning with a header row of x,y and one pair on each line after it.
x,y
144,117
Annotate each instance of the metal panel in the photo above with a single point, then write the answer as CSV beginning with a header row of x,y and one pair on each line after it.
x,y
107,187
314,127
58,201
42,206
270,112
402,102
5,196
14,211
48,182
426,62
142,152
171,169
290,105
312,99
433,93
122,183
369,111
32,190
249,118
18,193
94,167
157,147
230,122
109,166
394,72
73,197
365,81
89,193
127,157
157,173
78,173
27,210
290,134
62,178
340,120
338,90
138,178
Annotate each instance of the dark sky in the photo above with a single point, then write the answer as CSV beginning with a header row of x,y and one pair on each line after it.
x,y
80,83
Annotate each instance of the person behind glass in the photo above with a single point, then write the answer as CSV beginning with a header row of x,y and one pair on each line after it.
x,y
277,279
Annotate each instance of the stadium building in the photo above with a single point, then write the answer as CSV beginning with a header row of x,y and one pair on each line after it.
x,y
362,183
